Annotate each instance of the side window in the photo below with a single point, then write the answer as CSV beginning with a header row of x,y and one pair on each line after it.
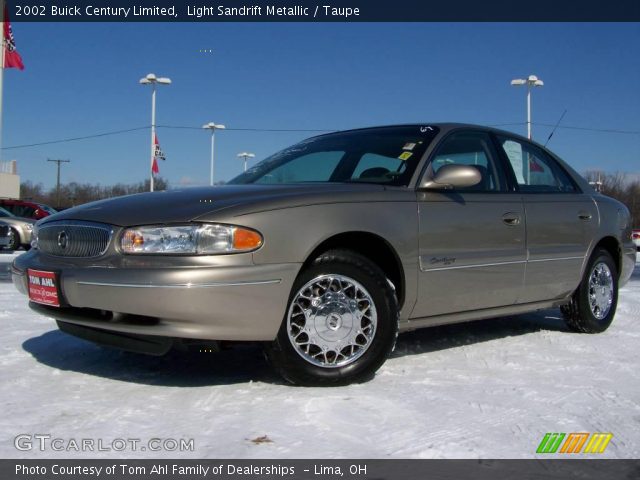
x,y
470,148
318,166
372,165
25,211
535,171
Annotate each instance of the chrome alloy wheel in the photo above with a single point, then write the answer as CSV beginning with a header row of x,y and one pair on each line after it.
x,y
600,290
331,321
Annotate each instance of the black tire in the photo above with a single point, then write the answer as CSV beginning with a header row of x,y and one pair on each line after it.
x,y
579,314
14,244
292,364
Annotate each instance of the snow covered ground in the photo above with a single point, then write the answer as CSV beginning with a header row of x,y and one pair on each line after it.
x,y
489,389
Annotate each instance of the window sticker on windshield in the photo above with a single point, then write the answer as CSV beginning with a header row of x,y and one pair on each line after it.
x,y
409,146
405,155
514,152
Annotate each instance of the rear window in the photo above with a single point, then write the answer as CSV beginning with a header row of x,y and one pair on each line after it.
x,y
535,171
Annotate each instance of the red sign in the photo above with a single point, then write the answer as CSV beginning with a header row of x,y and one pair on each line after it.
x,y
43,287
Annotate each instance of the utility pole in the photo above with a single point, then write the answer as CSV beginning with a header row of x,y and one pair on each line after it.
x,y
58,179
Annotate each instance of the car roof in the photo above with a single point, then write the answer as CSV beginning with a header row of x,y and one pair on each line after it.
x,y
443,126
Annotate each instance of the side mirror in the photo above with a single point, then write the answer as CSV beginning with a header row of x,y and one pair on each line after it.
x,y
452,176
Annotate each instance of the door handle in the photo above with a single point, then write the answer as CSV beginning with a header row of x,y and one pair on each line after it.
x,y
586,216
511,219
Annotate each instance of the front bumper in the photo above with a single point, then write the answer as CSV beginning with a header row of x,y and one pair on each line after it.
x,y
211,302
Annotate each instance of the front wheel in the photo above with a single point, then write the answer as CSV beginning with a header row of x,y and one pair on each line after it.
x,y
341,322
14,241
593,305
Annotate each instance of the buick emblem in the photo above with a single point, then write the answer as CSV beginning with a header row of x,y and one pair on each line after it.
x,y
62,239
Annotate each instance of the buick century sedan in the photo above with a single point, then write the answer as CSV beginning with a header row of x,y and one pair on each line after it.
x,y
326,250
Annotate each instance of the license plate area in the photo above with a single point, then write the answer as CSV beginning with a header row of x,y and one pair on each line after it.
x,y
44,287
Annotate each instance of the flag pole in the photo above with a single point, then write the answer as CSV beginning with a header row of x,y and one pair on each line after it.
x,y
153,135
1,70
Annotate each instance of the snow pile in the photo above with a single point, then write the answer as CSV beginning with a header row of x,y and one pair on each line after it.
x,y
489,389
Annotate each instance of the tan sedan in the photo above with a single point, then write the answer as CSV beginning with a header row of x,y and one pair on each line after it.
x,y
17,230
326,250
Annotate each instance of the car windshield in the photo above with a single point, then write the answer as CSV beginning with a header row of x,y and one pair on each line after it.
x,y
5,213
386,156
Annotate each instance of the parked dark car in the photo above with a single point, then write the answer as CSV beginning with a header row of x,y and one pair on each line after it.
x,y
327,249
27,209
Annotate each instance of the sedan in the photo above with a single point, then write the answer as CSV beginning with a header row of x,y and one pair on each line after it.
x,y
325,251
18,230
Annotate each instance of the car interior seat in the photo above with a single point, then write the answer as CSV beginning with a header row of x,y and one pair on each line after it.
x,y
374,172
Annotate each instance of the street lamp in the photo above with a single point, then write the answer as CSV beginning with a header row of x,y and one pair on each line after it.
x,y
531,81
152,80
213,127
245,155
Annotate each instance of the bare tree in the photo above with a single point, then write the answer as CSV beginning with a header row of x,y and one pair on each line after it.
x,y
74,193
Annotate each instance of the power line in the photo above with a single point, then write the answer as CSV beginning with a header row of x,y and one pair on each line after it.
x,y
252,129
292,130
73,139
601,130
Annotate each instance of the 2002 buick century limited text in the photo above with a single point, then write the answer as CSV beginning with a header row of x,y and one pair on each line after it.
x,y
327,249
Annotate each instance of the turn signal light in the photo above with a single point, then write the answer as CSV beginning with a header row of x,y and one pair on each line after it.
x,y
244,239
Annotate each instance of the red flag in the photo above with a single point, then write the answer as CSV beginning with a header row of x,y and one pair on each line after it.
x,y
12,58
158,153
535,166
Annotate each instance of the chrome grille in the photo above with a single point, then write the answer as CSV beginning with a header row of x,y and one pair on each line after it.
x,y
74,238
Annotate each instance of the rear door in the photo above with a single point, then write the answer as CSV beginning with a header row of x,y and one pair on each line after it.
x,y
471,241
560,221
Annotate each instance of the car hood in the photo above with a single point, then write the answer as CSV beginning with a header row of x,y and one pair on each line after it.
x,y
205,204
17,221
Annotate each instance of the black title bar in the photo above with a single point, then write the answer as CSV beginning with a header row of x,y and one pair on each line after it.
x,y
122,469
326,11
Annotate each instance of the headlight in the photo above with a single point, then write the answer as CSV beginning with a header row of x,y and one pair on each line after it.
x,y
203,239
28,227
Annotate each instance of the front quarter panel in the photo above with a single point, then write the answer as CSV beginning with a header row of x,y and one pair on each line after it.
x,y
292,234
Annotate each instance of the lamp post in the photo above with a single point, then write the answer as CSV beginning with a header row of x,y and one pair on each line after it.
x,y
245,155
152,80
530,81
213,127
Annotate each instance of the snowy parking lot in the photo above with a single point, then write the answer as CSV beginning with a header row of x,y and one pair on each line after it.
x,y
486,389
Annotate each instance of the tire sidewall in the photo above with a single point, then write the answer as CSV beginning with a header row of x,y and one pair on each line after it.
x,y
591,322
301,371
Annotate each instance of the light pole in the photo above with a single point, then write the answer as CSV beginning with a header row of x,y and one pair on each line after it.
x,y
213,127
245,155
531,81
152,80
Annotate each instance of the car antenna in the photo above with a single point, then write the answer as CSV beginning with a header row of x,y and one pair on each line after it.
x,y
554,128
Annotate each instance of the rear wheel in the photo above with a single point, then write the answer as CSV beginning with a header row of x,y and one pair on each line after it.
x,y
593,305
340,325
